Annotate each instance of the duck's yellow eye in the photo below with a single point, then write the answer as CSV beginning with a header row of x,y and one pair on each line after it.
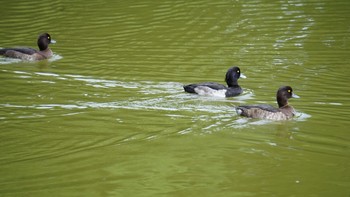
x,y
48,38
237,71
289,91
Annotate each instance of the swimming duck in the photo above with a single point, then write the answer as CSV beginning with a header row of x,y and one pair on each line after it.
x,y
29,53
263,111
216,89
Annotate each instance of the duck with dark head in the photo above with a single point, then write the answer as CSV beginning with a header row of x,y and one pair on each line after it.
x,y
263,111
216,89
31,54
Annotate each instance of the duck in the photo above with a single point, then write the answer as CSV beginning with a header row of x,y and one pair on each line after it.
x,y
31,54
216,89
264,111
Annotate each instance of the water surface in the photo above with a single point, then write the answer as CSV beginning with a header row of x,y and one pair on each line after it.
x,y
107,115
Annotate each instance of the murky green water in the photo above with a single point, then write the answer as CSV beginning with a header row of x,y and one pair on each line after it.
x,y
107,115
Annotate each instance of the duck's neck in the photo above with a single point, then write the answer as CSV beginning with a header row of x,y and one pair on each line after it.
x,y
282,102
232,83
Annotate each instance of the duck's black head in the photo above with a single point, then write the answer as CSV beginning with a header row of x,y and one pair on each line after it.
x,y
44,40
283,94
232,75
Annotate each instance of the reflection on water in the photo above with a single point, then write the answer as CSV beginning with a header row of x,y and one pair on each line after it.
x,y
107,114
176,101
9,60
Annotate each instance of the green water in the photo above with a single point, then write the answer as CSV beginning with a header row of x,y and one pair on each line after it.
x,y
107,115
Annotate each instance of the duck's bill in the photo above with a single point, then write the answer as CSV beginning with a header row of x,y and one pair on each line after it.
x,y
295,96
53,41
243,76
